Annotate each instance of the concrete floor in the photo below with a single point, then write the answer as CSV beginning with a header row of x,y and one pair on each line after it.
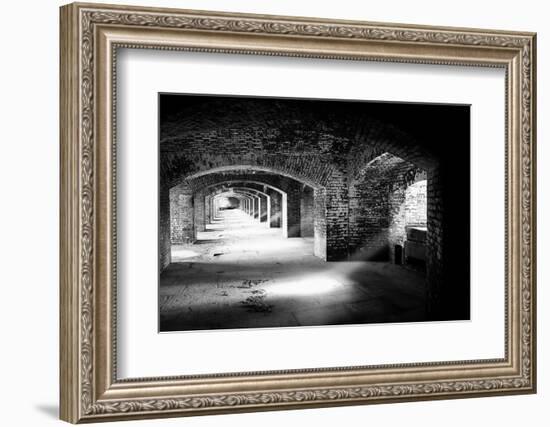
x,y
241,274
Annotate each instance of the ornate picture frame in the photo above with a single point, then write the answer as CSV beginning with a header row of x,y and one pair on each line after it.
x,y
90,37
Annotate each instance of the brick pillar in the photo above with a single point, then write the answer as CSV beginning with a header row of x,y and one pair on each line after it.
x,y
199,212
284,214
337,217
164,229
264,208
275,208
319,224
294,195
268,210
448,277
306,212
259,217
208,209
214,208
256,207
434,243
181,215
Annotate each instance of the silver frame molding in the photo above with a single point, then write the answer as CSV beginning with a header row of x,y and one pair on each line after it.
x,y
90,36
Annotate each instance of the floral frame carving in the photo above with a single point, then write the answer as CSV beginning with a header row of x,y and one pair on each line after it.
x,y
90,34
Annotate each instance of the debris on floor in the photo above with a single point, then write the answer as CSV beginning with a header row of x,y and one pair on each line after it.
x,y
257,302
247,284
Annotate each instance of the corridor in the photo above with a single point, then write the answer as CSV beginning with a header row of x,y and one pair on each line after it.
x,y
240,273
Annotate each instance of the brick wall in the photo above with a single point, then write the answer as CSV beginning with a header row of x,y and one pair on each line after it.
x,y
337,217
416,200
368,221
182,228
164,229
369,209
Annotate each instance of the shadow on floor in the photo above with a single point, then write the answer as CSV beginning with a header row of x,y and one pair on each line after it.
x,y
52,411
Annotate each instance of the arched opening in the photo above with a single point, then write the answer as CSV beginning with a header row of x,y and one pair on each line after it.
x,y
271,197
388,212
416,224
226,202
263,204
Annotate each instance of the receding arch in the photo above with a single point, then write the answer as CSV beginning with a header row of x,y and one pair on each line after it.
x,y
243,198
248,181
250,168
260,202
263,213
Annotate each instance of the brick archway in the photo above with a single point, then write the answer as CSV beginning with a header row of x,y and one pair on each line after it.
x,y
184,211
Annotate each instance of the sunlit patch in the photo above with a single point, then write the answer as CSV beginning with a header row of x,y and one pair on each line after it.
x,y
314,284
179,254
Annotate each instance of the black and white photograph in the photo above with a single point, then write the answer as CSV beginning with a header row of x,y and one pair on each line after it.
x,y
282,212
